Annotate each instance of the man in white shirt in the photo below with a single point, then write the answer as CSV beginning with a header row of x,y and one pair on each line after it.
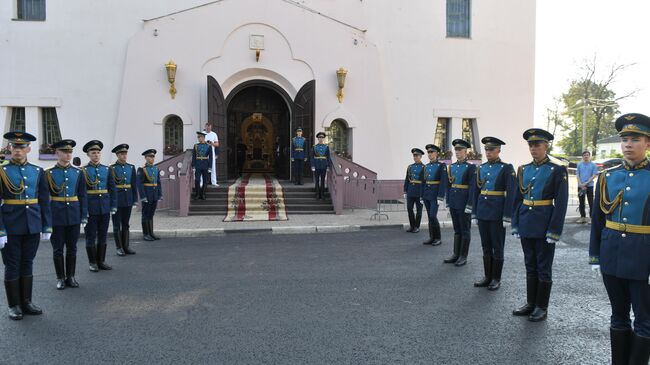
x,y
212,139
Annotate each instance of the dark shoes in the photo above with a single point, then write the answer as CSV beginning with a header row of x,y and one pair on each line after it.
x,y
19,298
531,295
454,257
70,267
92,258
101,257
487,273
59,268
497,269
464,250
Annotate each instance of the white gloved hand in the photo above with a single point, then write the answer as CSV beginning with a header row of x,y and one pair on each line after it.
x,y
475,221
440,200
305,160
45,236
313,169
468,210
517,236
404,195
144,200
506,224
292,160
550,240
3,241
595,269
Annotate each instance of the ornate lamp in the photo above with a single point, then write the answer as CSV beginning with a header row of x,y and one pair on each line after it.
x,y
171,77
340,77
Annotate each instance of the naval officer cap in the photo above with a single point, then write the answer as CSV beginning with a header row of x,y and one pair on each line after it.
x,y
201,133
121,148
537,134
299,129
633,123
432,148
417,151
20,139
320,135
93,145
492,142
64,145
460,143
149,152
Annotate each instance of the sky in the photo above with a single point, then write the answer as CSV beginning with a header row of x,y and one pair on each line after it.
x,y
569,31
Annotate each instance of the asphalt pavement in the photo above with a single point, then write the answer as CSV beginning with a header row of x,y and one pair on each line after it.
x,y
369,297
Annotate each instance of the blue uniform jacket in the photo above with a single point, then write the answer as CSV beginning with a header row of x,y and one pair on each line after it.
x,y
25,200
149,183
320,157
299,148
67,195
435,181
125,187
541,200
100,189
414,180
620,226
461,178
494,190
201,156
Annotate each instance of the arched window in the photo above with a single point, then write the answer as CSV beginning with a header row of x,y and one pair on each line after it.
x,y
339,138
173,135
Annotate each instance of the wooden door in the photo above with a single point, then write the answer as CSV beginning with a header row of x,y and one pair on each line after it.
x,y
303,115
217,117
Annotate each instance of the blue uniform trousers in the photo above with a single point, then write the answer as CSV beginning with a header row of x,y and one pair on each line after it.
x,y
624,293
201,174
97,229
432,209
493,238
418,207
148,210
65,236
18,255
538,257
298,165
462,223
121,218
320,180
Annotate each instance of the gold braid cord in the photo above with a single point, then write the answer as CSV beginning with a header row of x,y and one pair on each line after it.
x,y
89,182
520,176
117,180
54,188
146,174
605,205
6,181
450,176
480,183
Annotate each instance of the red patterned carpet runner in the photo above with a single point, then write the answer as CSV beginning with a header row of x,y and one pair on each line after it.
x,y
256,197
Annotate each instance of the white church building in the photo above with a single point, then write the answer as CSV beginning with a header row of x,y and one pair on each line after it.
x,y
378,76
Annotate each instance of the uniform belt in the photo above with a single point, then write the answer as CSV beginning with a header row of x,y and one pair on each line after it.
x,y
95,192
433,182
493,193
64,199
632,228
459,186
320,157
20,201
533,203
123,186
415,181
203,158
298,149
149,184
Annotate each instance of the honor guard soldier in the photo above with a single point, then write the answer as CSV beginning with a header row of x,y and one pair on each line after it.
x,y
25,219
298,155
492,200
538,218
413,190
102,202
319,163
69,210
433,192
150,192
123,174
202,162
620,241
461,178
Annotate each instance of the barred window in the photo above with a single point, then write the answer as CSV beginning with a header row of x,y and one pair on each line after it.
x,y
51,131
458,18
338,134
17,119
31,9
441,138
173,135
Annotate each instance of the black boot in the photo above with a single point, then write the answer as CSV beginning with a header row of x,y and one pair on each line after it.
x,y
101,257
70,267
92,258
204,188
418,219
621,341
464,251
126,242
26,297
411,221
531,295
640,350
12,288
119,244
151,230
145,231
497,269
59,268
453,258
541,302
487,270
436,234
431,234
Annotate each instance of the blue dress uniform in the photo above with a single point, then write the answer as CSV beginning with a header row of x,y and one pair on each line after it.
x,y
126,192
299,155
413,183
69,210
150,192
433,190
202,163
461,177
102,201
538,218
493,197
25,215
620,244
320,158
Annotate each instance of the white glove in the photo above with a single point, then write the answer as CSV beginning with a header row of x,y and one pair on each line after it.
x,y
440,200
305,160
475,221
404,195
3,241
468,210
45,236
209,171
550,240
421,201
313,169
144,200
292,160
595,269
517,236
506,224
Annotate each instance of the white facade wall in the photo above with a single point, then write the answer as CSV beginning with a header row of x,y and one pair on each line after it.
x,y
102,67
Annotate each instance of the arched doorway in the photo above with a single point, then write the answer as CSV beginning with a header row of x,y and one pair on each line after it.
x,y
258,121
